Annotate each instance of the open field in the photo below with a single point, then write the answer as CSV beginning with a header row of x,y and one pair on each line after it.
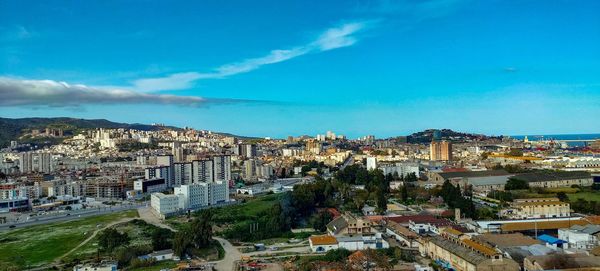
x,y
38,245
247,210
588,195
138,231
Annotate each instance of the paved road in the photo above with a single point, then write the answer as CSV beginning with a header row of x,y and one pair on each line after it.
x,y
302,250
347,162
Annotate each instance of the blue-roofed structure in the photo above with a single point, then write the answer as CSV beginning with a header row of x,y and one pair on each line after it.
x,y
551,240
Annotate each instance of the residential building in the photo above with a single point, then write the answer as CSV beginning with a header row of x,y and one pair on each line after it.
x,y
440,151
349,224
202,171
222,168
371,163
183,173
163,172
247,150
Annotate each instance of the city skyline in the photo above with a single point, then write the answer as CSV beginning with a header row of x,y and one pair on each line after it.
x,y
274,69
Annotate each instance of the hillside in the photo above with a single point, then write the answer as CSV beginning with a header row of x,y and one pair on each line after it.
x,y
427,135
13,129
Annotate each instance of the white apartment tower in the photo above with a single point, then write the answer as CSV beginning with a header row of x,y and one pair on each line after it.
x,y
183,173
222,168
202,171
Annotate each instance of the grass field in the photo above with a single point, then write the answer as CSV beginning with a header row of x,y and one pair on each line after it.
x,y
138,231
247,210
38,245
588,195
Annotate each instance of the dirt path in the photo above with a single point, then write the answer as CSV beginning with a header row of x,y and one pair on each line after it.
x,y
144,213
232,254
123,220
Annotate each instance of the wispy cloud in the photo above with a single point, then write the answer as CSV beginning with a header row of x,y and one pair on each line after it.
x,y
15,92
340,36
409,9
16,33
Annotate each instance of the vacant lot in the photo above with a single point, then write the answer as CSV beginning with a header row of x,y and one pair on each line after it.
x,y
139,233
247,210
38,245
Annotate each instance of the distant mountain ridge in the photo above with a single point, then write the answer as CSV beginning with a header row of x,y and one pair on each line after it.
x,y
14,129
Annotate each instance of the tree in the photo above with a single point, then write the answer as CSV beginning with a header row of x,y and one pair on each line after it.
x,y
411,177
181,242
201,229
320,220
162,239
109,239
562,196
404,193
516,184
360,198
381,201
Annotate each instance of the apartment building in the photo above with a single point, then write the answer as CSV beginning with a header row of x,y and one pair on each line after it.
x,y
440,151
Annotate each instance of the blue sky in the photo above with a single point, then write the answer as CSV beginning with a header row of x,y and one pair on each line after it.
x,y
278,68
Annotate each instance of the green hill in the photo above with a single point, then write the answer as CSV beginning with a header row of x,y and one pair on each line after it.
x,y
14,129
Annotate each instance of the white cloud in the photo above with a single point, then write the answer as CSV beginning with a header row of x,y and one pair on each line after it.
x,y
332,38
339,37
15,92
172,82
16,33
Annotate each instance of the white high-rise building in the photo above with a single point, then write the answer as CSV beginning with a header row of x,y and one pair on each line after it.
x,y
371,163
202,171
163,172
167,161
35,162
183,173
222,168
25,162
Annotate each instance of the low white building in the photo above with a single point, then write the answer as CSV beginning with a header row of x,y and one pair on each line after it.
x,y
581,237
162,255
192,196
362,242
322,243
103,266
164,205
218,192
